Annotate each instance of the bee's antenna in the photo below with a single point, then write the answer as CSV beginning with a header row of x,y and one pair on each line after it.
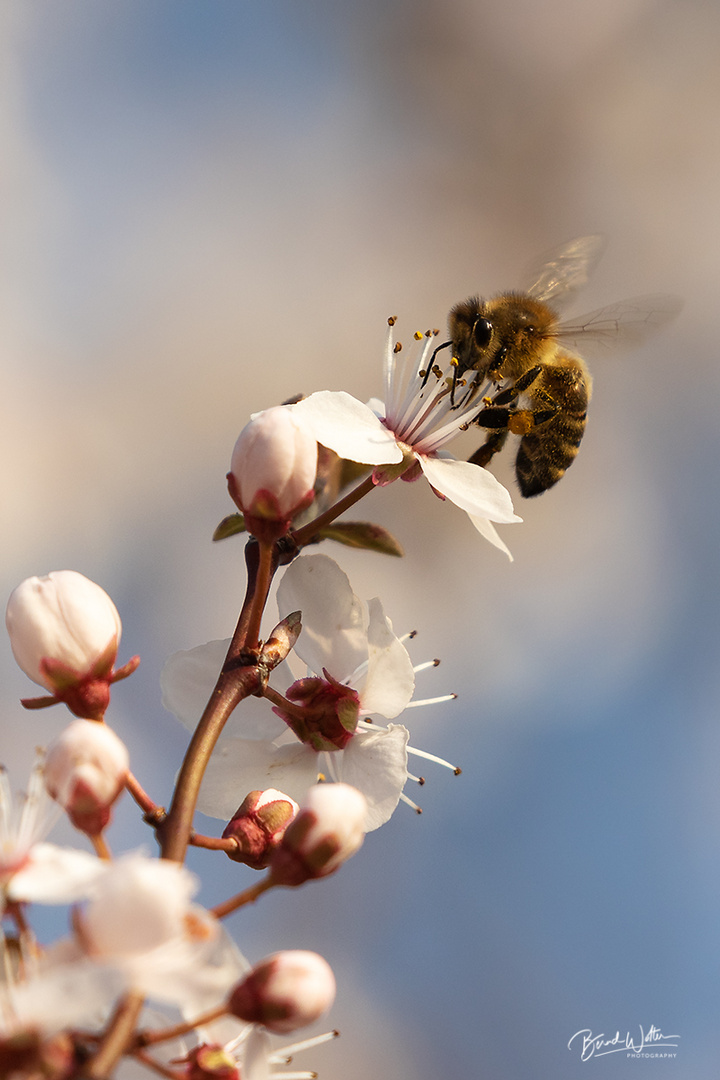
x,y
428,370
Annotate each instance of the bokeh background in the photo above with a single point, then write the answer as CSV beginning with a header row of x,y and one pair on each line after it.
x,y
207,207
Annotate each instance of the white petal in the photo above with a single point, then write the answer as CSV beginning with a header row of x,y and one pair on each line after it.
x,y
187,680
472,488
239,766
488,530
334,621
138,904
375,762
197,987
348,427
192,972
68,995
390,679
55,875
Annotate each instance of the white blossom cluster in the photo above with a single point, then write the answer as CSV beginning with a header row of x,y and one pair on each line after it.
x,y
298,748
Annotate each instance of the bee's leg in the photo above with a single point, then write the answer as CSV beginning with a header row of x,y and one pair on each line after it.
x,y
494,441
502,420
521,421
505,397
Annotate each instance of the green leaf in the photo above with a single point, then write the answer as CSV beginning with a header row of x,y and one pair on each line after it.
x,y
230,526
362,534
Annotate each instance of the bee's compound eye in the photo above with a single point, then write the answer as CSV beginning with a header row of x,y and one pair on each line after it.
x,y
482,332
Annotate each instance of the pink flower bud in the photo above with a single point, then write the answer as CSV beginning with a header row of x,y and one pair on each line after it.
x,y
85,771
326,832
285,991
272,471
330,712
64,632
258,826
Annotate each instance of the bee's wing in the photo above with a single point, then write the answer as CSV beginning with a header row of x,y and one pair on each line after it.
x,y
564,270
629,322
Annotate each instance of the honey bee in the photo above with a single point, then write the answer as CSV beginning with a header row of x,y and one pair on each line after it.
x,y
522,352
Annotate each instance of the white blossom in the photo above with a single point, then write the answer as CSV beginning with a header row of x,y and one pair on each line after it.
x,y
405,437
140,922
32,870
355,643
252,1052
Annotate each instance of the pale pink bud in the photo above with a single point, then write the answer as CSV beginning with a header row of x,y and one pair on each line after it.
x,y
326,832
85,771
272,471
64,632
258,826
285,991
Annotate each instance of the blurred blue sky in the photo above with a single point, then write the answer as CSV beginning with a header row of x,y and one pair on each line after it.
x,y
208,207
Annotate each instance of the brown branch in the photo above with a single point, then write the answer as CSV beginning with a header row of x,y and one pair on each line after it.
x,y
116,1039
249,896
306,534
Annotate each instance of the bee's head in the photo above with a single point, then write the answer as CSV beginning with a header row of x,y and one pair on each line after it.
x,y
487,335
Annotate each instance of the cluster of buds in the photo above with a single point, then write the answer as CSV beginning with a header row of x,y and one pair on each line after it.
x,y
64,632
137,932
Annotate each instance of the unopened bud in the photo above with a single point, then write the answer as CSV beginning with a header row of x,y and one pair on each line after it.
x,y
281,640
285,991
85,771
330,712
272,471
258,826
64,632
328,830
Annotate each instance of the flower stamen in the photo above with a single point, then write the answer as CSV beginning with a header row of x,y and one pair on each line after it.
x,y
431,701
425,664
434,758
408,802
